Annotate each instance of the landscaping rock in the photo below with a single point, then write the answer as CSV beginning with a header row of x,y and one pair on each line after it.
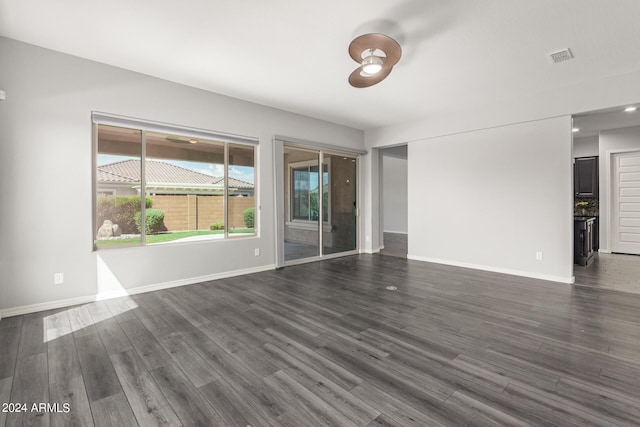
x,y
106,230
116,230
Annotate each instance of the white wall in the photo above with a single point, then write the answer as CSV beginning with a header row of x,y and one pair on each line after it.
x,y
394,189
543,104
612,91
371,212
611,142
491,199
585,147
45,175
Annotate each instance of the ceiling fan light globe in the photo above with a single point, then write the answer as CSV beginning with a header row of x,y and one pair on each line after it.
x,y
372,65
372,69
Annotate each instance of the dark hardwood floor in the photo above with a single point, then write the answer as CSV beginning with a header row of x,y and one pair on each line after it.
x,y
395,244
619,272
326,344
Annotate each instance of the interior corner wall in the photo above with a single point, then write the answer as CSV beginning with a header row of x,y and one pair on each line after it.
x,y
490,199
394,194
45,176
611,142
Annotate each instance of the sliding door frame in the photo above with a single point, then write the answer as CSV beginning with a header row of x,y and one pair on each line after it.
x,y
279,144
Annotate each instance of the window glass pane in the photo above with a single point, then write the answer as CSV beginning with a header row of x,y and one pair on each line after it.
x,y
117,186
314,208
301,193
325,191
184,179
241,215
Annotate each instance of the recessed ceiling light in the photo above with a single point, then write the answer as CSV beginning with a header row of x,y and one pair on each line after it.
x,y
575,130
630,109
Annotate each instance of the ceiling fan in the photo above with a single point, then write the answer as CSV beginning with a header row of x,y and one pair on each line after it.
x,y
377,54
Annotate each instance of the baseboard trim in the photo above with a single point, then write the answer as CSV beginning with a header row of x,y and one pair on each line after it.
x,y
370,251
52,305
553,278
604,251
44,306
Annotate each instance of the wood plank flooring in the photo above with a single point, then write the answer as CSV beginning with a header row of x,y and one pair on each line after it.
x,y
326,344
395,244
619,272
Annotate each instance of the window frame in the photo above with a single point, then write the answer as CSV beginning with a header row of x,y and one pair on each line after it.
x,y
149,126
291,219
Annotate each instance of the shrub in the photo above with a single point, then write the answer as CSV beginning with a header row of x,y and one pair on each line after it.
x,y
248,216
217,226
154,221
120,210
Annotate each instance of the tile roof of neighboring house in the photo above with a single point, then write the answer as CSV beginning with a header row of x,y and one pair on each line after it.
x,y
160,172
109,176
233,182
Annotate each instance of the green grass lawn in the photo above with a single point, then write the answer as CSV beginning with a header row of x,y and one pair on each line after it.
x,y
167,237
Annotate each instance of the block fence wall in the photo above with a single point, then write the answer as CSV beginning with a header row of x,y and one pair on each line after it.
x,y
192,212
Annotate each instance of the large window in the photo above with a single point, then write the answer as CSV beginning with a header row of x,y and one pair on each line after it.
x,y
189,187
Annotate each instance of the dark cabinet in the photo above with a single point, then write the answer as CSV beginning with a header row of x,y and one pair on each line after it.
x,y
585,176
584,244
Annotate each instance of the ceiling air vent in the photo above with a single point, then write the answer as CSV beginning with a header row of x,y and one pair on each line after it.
x,y
559,56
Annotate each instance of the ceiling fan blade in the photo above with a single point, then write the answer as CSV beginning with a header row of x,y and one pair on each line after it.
x,y
176,140
389,46
356,79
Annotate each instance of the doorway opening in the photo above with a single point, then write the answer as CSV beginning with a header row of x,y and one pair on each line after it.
x,y
606,151
394,201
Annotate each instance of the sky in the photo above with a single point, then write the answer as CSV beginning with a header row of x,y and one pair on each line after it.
x,y
243,173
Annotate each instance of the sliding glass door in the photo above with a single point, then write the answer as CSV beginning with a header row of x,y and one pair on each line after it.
x,y
320,203
340,205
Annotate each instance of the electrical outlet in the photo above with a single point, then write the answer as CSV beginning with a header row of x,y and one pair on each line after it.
x,y
539,255
58,278
256,251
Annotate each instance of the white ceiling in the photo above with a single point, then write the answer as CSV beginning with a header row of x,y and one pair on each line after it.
x,y
292,54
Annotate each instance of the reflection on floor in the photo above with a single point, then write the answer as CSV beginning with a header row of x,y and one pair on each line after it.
x,y
395,244
611,271
295,250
